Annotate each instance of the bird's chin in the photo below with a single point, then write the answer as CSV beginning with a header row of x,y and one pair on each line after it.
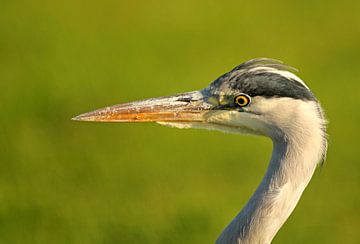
x,y
237,129
230,121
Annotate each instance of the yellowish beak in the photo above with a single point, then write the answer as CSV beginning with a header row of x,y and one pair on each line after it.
x,y
186,107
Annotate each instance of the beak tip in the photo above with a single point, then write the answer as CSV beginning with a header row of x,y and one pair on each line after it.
x,y
82,117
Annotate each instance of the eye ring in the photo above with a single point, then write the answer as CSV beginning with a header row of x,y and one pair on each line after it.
x,y
242,100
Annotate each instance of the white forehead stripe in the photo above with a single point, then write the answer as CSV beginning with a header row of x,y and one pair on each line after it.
x,y
284,73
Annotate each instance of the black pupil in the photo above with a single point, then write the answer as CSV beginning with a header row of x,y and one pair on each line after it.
x,y
241,101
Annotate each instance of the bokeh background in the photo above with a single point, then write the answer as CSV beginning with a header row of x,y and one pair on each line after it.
x,y
68,182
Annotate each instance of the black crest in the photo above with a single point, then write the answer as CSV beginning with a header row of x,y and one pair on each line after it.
x,y
262,77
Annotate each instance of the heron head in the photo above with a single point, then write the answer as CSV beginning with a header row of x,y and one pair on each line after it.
x,y
261,96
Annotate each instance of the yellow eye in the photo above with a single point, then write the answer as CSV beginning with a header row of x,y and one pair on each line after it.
x,y
242,100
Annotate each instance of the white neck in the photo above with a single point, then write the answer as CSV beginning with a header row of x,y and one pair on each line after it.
x,y
297,131
293,162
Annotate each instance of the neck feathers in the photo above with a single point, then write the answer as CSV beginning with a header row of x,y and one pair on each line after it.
x,y
298,147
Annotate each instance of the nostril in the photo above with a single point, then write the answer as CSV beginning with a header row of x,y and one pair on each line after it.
x,y
185,99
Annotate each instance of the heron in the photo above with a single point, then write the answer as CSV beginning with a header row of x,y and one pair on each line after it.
x,y
263,97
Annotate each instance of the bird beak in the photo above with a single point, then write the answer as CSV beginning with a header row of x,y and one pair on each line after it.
x,y
186,107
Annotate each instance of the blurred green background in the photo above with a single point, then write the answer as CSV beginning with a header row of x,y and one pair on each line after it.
x,y
68,182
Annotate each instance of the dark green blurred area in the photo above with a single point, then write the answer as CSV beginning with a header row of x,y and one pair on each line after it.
x,y
68,182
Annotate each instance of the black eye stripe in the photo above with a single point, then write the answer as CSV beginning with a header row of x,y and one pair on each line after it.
x,y
262,82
